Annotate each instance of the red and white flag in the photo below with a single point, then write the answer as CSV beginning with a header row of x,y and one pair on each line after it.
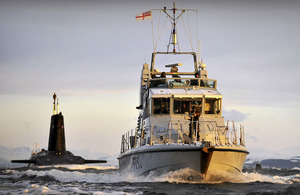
x,y
144,16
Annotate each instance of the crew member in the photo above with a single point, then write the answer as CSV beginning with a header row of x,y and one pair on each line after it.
x,y
184,108
163,75
194,126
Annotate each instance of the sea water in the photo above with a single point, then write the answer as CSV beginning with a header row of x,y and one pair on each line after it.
x,y
87,179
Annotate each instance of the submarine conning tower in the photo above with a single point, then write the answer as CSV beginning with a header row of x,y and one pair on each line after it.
x,y
57,142
57,153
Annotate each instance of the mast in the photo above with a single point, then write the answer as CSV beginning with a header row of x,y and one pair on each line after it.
x,y
174,15
54,109
173,36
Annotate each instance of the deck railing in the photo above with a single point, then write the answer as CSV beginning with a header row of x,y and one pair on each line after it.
x,y
181,82
186,133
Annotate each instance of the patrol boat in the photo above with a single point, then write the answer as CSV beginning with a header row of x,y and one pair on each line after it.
x,y
180,123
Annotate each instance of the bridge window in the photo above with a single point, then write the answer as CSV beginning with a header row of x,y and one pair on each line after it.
x,y
161,105
212,106
183,105
208,83
154,83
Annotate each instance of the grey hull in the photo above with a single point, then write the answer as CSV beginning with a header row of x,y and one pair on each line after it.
x,y
143,160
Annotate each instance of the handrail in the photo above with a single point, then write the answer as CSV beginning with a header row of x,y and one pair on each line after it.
x,y
182,82
228,136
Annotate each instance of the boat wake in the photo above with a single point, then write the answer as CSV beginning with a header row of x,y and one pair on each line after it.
x,y
82,179
189,176
257,177
67,173
107,174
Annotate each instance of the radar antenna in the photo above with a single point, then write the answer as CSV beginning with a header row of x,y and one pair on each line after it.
x,y
174,16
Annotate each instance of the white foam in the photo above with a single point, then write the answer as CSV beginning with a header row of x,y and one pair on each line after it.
x,y
58,189
70,176
37,189
180,176
190,176
253,177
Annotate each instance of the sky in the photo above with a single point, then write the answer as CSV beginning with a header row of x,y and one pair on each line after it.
x,y
90,53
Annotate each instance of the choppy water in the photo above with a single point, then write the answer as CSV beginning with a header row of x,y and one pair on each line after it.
x,y
85,179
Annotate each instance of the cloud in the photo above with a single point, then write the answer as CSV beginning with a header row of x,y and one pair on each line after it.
x,y
252,138
235,115
85,49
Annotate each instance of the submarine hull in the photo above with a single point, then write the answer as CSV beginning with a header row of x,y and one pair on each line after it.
x,y
52,158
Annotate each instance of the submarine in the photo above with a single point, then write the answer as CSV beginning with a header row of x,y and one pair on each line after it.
x,y
56,153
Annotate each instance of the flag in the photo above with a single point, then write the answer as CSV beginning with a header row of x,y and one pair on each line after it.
x,y
144,16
